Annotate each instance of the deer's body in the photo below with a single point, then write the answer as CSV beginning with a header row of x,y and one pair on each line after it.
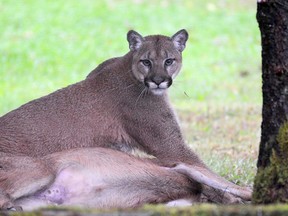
x,y
102,178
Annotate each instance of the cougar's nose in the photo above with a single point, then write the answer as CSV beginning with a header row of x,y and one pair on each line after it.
x,y
157,79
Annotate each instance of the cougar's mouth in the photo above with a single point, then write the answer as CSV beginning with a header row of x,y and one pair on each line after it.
x,y
157,91
158,86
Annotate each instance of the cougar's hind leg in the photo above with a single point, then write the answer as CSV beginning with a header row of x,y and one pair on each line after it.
x,y
21,176
5,201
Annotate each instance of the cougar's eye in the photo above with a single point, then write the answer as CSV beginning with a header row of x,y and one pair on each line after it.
x,y
169,62
146,62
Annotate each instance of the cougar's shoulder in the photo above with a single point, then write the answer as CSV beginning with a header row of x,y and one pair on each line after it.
x,y
100,68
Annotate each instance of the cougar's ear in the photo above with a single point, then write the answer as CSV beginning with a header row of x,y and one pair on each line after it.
x,y
179,39
135,40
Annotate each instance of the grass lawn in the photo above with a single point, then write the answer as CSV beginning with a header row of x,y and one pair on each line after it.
x,y
46,45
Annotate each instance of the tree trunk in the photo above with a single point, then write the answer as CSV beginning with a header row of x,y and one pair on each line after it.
x,y
272,16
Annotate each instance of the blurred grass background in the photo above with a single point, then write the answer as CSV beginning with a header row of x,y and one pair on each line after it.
x,y
47,45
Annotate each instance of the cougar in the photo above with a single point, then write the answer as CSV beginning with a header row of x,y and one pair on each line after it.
x,y
121,105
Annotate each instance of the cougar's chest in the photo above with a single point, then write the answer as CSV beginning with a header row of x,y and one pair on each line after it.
x,y
113,136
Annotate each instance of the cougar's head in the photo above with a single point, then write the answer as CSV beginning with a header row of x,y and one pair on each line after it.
x,y
157,59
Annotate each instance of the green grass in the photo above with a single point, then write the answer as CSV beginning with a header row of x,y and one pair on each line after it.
x,y
227,139
151,210
46,45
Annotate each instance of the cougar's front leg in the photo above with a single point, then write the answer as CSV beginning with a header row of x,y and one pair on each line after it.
x,y
162,138
21,176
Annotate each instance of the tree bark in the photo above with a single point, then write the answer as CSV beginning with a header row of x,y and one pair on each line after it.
x,y
272,16
271,182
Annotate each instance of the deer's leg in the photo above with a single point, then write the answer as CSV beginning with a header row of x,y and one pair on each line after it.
x,y
214,189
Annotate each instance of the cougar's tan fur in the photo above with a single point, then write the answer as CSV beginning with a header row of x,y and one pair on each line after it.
x,y
122,105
